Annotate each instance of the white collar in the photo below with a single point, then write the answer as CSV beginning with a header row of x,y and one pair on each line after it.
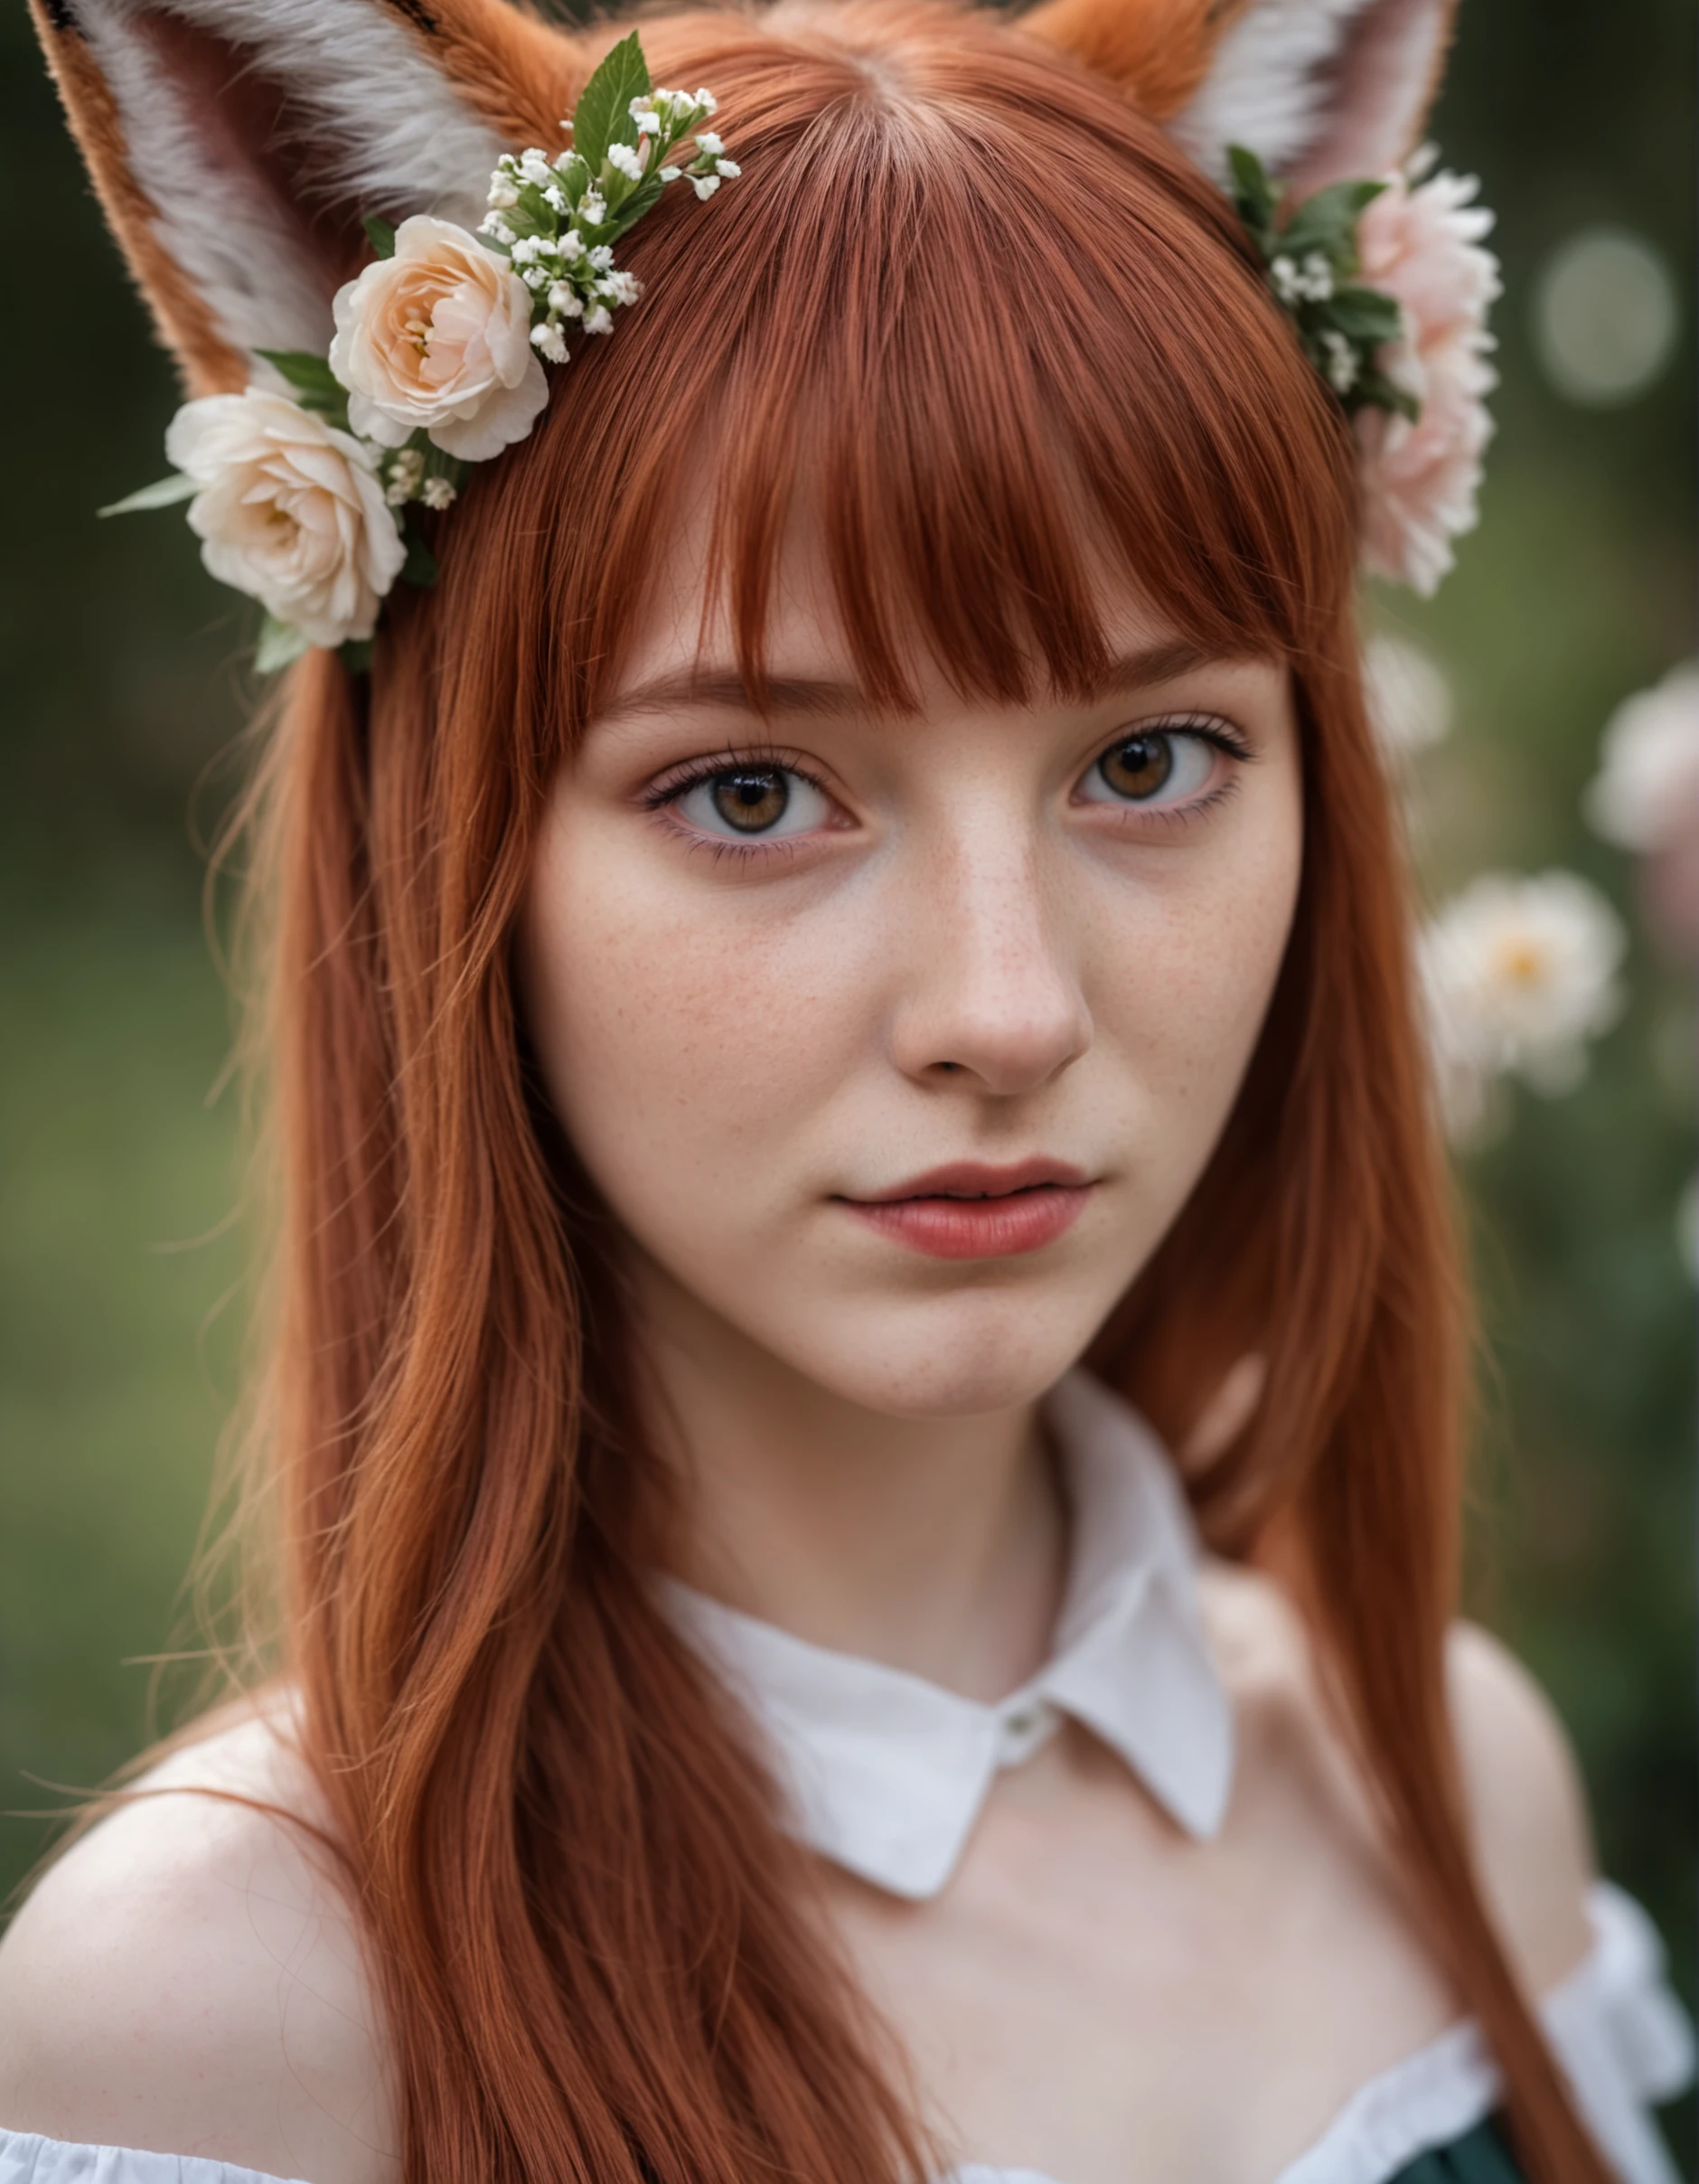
x,y
887,1773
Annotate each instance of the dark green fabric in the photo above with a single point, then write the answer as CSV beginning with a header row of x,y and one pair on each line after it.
x,y
1479,2157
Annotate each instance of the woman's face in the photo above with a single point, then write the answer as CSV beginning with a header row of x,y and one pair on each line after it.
x,y
896,1044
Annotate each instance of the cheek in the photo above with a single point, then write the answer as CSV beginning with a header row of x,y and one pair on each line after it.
x,y
678,1028
1182,991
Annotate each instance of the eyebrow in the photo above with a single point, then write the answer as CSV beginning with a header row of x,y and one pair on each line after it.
x,y
818,697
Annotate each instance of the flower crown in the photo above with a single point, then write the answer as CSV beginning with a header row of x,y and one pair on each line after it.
x,y
1388,286
302,492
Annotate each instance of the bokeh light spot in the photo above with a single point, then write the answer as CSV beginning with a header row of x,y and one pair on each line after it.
x,y
1605,316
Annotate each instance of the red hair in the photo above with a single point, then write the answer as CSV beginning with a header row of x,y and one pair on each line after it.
x,y
991,329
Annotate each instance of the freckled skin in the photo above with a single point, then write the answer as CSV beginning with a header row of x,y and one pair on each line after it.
x,y
965,953
968,962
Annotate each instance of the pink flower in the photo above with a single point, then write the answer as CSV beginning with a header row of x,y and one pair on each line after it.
x,y
1422,246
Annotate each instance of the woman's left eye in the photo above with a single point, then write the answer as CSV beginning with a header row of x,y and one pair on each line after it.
x,y
1155,768
752,804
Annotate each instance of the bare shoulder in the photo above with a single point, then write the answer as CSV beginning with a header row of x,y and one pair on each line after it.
x,y
187,1978
1527,1806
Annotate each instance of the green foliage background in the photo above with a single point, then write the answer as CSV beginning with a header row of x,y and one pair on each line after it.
x,y
120,682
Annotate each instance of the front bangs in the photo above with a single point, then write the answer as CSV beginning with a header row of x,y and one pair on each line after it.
x,y
992,335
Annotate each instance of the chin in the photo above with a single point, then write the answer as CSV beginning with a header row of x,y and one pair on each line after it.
x,y
951,1356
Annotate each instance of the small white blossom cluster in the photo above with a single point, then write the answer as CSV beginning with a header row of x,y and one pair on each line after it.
x,y
299,487
557,219
1311,258
406,478
1518,974
1311,282
1340,360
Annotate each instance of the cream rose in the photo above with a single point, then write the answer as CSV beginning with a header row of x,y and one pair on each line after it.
x,y
439,337
290,511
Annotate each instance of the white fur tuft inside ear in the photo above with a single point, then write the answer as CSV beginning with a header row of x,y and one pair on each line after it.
x,y
386,132
1319,88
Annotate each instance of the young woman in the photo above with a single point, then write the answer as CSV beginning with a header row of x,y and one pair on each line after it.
x,y
854,936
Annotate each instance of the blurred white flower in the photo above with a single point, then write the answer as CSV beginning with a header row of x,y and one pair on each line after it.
x,y
1409,696
1645,798
1517,974
1646,790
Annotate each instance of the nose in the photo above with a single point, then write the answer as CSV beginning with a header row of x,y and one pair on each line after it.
x,y
990,991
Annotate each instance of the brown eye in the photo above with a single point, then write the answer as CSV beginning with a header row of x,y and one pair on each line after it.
x,y
752,799
1158,768
1140,767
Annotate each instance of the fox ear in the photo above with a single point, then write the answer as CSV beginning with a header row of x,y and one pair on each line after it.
x,y
235,144
1319,90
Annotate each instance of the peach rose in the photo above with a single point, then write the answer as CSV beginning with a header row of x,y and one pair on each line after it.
x,y
1420,480
439,337
290,511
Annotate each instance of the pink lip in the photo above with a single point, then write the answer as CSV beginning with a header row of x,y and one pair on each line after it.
x,y
969,1211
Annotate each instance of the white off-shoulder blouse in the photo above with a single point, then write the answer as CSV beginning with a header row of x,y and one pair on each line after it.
x,y
1616,2028
887,1774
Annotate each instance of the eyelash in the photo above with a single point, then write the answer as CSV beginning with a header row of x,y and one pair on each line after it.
x,y
661,795
1208,727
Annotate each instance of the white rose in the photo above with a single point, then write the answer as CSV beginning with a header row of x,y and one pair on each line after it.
x,y
290,511
439,337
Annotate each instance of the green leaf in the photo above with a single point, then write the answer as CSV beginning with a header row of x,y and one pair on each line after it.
x,y
1375,391
315,386
574,177
1364,314
1255,195
279,643
1328,221
420,565
380,234
307,373
643,199
355,655
622,76
166,495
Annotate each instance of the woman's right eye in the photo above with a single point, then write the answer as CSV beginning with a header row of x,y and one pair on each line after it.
x,y
752,803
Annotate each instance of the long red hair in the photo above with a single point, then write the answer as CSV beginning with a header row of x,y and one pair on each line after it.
x,y
988,327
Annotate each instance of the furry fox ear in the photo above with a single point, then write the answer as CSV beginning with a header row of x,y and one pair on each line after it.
x,y
1319,90
235,144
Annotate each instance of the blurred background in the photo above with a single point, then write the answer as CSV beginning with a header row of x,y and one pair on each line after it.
x,y
122,682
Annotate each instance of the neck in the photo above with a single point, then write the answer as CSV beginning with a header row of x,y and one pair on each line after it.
x,y
933,1545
